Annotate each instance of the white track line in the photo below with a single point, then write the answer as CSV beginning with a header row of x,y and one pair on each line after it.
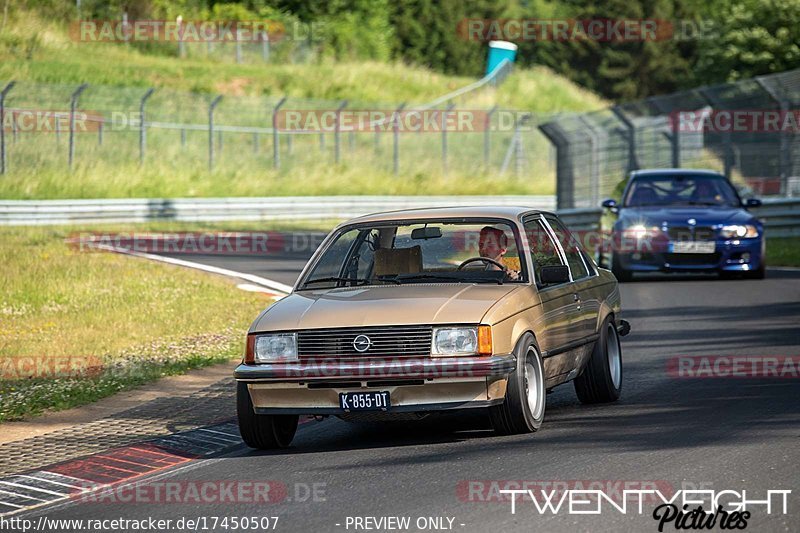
x,y
264,282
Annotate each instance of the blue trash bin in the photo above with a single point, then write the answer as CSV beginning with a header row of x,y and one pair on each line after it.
x,y
498,51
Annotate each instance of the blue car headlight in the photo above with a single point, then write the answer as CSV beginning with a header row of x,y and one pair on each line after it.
x,y
739,231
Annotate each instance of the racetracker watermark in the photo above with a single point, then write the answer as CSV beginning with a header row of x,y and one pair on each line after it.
x,y
736,121
600,30
51,121
205,243
17,367
404,121
207,492
734,366
193,31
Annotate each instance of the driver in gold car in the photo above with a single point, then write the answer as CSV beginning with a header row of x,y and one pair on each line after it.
x,y
493,244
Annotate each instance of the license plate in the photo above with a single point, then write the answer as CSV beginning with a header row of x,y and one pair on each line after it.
x,y
364,401
693,247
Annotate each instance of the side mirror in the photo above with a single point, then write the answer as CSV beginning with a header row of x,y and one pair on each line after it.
x,y
752,202
551,275
611,205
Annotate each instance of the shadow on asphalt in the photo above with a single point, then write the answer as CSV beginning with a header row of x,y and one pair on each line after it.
x,y
776,273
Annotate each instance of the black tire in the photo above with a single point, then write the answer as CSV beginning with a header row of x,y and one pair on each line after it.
x,y
601,381
623,275
759,273
263,432
515,414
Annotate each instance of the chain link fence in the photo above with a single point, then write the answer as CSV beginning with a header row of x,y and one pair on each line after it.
x,y
747,130
63,127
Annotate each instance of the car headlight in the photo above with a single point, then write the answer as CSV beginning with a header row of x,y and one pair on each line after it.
x,y
275,347
640,231
739,231
462,341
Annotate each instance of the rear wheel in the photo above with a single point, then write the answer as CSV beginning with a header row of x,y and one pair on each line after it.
x,y
522,411
601,380
264,432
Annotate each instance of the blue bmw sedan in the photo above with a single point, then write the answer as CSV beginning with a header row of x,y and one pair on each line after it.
x,y
680,220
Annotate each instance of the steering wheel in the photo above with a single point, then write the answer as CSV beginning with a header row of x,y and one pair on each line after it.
x,y
485,260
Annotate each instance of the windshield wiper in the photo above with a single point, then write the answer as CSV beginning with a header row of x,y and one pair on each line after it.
x,y
406,277
336,278
693,202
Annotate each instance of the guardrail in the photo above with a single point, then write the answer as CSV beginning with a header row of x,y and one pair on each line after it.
x,y
49,212
781,217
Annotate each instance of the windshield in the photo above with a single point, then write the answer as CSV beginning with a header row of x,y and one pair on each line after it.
x,y
431,251
665,189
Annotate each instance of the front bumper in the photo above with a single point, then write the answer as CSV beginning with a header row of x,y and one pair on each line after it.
x,y
418,385
739,255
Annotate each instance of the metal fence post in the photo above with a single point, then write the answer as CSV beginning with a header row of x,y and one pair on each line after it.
x,y
784,148
238,47
100,132
673,135
595,172
3,94
337,141
726,136
183,137
633,163
211,108
444,138
73,103
276,152
396,139
265,46
142,125
487,136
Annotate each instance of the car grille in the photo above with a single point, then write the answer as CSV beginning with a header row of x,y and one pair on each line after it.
x,y
691,259
686,233
394,341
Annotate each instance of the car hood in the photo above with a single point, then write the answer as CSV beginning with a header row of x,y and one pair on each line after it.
x,y
679,216
382,305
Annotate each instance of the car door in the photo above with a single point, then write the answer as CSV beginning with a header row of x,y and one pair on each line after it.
x,y
583,275
559,321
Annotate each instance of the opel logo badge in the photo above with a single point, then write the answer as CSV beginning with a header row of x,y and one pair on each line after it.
x,y
362,343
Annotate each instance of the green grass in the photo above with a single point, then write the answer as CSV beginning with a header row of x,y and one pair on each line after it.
x,y
35,52
783,251
137,319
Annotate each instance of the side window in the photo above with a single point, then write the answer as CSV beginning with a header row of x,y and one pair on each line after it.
x,y
544,252
575,259
331,261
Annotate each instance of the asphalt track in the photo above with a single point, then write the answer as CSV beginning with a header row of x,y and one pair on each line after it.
x,y
680,433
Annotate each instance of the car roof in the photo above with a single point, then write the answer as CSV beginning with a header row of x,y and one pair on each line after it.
x,y
674,172
506,212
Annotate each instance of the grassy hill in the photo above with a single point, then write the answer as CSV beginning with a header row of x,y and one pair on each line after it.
x,y
36,52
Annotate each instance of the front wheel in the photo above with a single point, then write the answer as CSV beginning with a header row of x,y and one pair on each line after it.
x,y
263,432
622,274
522,410
601,380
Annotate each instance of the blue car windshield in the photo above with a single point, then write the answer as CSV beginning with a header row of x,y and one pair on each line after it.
x,y
681,189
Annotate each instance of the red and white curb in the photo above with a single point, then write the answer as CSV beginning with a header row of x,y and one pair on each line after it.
x,y
78,477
